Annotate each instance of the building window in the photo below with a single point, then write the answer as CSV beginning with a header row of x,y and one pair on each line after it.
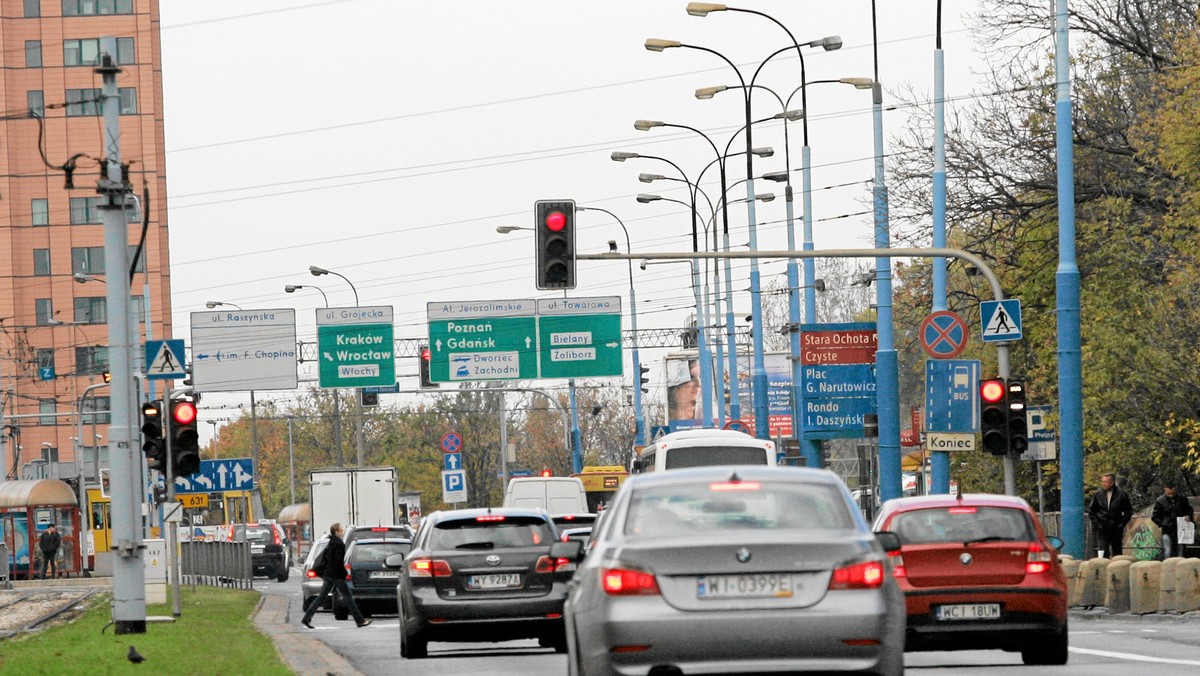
x,y
33,9
33,53
41,262
141,261
40,208
43,311
85,210
91,360
48,407
93,7
36,101
96,411
45,358
87,259
86,102
137,308
91,310
86,52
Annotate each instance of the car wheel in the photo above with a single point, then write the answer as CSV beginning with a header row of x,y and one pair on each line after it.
x,y
557,640
1054,653
282,574
413,646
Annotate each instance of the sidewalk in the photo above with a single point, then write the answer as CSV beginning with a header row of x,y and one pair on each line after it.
x,y
303,654
1101,613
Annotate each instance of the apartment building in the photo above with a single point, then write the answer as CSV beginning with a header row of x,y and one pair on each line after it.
x,y
53,314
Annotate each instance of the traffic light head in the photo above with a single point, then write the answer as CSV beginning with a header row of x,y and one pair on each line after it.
x,y
368,398
644,378
185,440
424,359
152,436
107,375
1018,424
993,415
554,225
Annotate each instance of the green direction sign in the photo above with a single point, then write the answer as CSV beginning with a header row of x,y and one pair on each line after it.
x,y
580,337
482,340
524,339
356,346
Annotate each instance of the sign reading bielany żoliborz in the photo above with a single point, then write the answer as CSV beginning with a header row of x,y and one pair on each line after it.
x,y
240,350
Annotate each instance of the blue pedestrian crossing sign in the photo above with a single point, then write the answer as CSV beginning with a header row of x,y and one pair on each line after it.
x,y
165,360
1001,320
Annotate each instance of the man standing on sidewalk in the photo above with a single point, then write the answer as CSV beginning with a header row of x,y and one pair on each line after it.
x,y
49,542
1169,507
333,576
1109,511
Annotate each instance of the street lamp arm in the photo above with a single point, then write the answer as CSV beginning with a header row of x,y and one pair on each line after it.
x,y
348,282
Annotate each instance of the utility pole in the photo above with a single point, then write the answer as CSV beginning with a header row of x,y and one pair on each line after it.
x,y
129,583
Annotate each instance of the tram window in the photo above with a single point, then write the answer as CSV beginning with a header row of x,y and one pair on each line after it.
x,y
98,515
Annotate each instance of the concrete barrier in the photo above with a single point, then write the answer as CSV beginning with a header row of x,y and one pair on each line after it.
x,y
1089,590
1071,570
1187,585
1144,581
1166,585
1125,557
1116,596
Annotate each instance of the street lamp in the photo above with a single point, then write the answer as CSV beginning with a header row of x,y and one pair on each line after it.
x,y
293,288
216,303
639,421
317,272
291,459
505,229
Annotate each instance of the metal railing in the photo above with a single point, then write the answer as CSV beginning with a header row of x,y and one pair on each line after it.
x,y
216,564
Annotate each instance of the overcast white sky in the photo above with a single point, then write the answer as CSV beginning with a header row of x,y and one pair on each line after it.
x,y
387,140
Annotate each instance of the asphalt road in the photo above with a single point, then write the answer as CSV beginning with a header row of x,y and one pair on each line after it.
x,y
1099,647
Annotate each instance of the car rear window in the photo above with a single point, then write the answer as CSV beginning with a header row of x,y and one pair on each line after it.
x,y
379,533
259,534
492,532
372,552
707,456
700,507
964,523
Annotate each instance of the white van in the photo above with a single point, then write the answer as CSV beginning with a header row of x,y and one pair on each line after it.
x,y
555,494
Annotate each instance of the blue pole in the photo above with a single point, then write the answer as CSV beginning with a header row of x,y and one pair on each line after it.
x,y
576,439
812,447
735,403
1070,387
793,280
719,362
887,375
639,420
939,460
706,388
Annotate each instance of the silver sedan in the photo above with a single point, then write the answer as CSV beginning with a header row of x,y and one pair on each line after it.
x,y
734,569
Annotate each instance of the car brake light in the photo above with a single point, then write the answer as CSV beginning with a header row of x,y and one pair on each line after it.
x,y
310,573
897,563
378,529
568,517
626,582
962,510
278,540
428,568
545,564
1038,560
865,575
735,486
348,575
489,518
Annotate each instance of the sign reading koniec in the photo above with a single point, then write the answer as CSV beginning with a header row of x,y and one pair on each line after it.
x,y
355,346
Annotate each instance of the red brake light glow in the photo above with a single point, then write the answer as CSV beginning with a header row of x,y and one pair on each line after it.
x,y
378,529
545,564
626,582
865,575
428,568
489,518
735,486
897,562
963,510
1038,560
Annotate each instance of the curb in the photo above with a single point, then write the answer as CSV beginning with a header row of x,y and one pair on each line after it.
x,y
302,654
1149,618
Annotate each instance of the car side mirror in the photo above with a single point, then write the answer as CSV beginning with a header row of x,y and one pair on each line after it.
x,y
572,550
888,540
1056,542
394,561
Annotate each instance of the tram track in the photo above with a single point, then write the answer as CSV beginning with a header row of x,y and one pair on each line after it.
x,y
23,611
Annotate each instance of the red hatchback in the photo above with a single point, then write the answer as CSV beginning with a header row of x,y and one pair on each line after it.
x,y
977,572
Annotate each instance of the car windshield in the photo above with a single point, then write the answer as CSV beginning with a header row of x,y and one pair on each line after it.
x,y
707,456
495,533
259,534
374,552
700,507
963,523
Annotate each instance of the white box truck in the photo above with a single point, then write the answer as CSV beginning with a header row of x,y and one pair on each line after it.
x,y
359,496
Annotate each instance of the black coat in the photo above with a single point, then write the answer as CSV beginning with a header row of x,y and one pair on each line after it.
x,y
1166,510
49,542
1115,515
335,559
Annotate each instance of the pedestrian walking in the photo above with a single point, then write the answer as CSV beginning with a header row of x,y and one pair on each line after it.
x,y
331,566
1168,509
49,543
1109,510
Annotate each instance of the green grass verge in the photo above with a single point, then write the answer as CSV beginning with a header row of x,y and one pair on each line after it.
x,y
215,634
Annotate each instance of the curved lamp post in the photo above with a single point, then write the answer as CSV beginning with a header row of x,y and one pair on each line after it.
x,y
216,303
317,272
293,288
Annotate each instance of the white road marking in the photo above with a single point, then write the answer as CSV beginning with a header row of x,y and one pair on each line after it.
x,y
1134,657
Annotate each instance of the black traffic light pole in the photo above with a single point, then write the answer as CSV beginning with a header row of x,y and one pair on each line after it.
x,y
889,448
169,467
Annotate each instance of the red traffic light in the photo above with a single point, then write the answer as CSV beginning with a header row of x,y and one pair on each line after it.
x,y
183,413
992,391
556,221
426,354
546,472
